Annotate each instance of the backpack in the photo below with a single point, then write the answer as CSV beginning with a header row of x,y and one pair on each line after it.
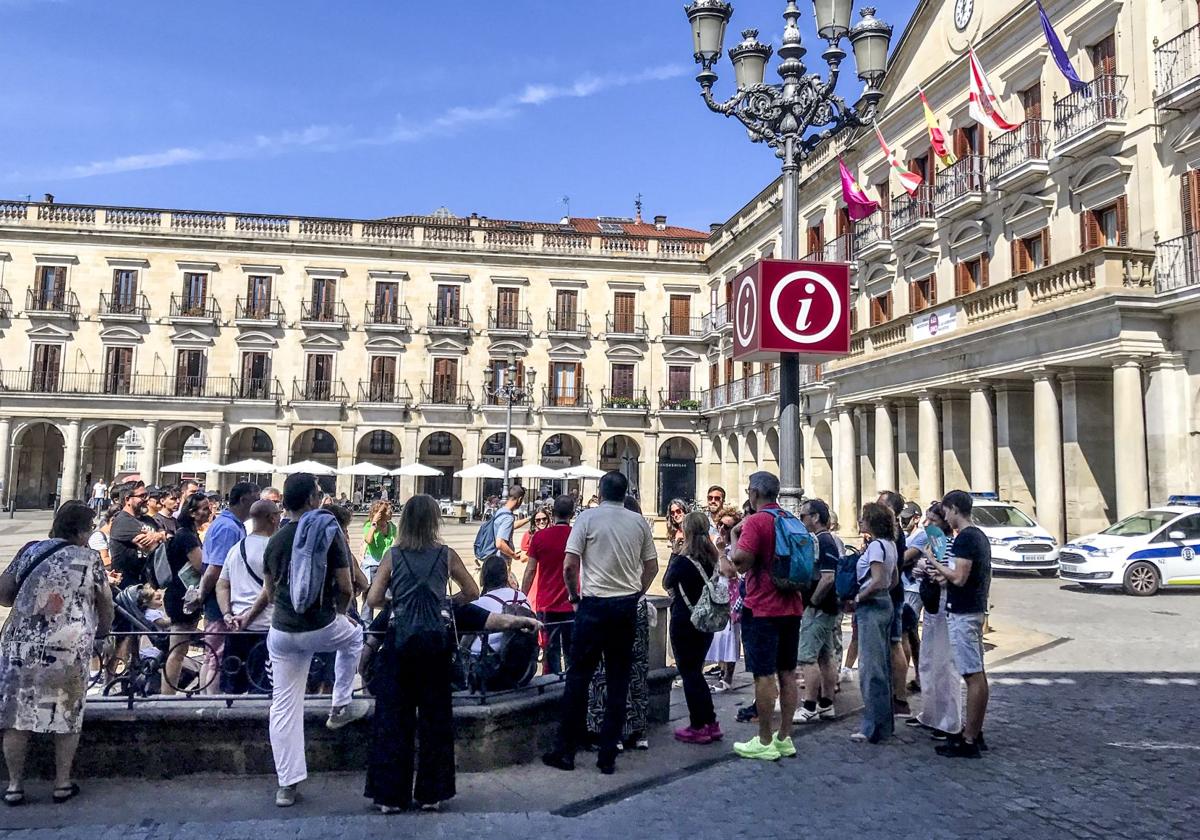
x,y
485,537
795,553
710,613
160,567
846,578
418,613
512,666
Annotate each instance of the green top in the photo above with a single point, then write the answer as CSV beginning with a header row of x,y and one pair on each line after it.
x,y
379,545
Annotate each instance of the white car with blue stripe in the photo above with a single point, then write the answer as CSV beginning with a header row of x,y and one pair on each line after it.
x,y
1018,543
1141,553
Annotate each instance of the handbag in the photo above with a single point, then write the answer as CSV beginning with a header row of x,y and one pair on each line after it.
x,y
931,595
37,561
710,613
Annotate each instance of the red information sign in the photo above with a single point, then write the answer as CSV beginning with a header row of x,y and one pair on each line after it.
x,y
791,307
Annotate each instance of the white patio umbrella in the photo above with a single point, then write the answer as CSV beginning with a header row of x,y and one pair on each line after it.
x,y
416,470
308,467
197,466
581,471
364,468
535,472
480,471
251,466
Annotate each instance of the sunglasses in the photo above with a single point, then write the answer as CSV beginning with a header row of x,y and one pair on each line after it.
x,y
541,519
716,498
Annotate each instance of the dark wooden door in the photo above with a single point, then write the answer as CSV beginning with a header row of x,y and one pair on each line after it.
x,y
622,381
124,291
623,312
258,297
47,367
195,291
445,380
681,315
324,298
52,287
566,310
383,378
507,301
189,373
256,375
118,370
387,303
679,383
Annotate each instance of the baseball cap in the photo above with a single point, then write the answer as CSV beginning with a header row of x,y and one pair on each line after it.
x,y
909,511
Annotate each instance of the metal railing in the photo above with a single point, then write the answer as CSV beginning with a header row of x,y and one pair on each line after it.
x,y
449,317
257,388
396,314
443,393
967,175
1177,263
5,303
719,318
566,397
634,324
319,390
869,231
1027,142
324,312
908,210
1100,100
134,304
680,400
185,306
838,249
494,399
568,321
384,391
1177,61
117,383
684,326
62,301
512,320
634,399
270,309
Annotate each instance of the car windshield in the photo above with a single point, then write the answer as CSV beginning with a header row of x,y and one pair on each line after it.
x,y
1000,516
1140,524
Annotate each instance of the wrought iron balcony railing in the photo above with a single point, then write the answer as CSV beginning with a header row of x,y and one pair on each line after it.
x,y
331,312
384,391
634,399
134,305
60,301
384,314
567,321
185,306
1027,142
258,309
1101,100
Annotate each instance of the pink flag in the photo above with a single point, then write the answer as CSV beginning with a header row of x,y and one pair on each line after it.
x,y
857,204
984,108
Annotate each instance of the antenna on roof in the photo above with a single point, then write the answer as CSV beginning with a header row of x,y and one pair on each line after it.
x,y
637,204
566,203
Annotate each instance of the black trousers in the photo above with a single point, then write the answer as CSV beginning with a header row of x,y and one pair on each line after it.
x,y
603,627
691,647
413,718
557,656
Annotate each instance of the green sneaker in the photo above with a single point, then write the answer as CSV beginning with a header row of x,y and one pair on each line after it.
x,y
784,747
755,748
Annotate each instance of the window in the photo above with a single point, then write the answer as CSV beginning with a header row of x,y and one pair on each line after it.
x,y
566,310
383,378
566,383
714,375
922,294
1190,525
1106,226
971,275
881,309
499,376
680,320
318,382
448,298
47,366
1031,253
323,443
622,380
189,373
324,299
1031,102
1189,200
439,443
118,370
195,293
445,380
854,319
382,443
967,141
679,383
1104,56
124,291
387,302
51,292
623,312
816,239
728,377
1105,86
258,297
256,375
507,303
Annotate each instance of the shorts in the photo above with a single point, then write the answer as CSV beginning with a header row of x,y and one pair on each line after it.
x,y
910,620
966,641
897,631
770,643
817,629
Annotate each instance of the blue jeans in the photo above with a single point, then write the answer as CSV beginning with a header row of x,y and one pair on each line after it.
x,y
873,618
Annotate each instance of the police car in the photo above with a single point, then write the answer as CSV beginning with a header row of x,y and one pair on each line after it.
x,y
1141,553
1018,543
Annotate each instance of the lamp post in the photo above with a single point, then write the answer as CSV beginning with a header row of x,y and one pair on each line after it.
x,y
508,390
783,116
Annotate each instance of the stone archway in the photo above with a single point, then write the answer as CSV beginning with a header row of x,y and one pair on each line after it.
x,y
676,472
820,464
37,468
622,453
112,451
184,442
442,451
381,448
318,445
492,452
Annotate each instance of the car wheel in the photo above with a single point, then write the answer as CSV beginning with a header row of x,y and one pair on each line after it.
x,y
1048,572
1141,579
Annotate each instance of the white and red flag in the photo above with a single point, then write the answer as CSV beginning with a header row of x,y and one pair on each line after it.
x,y
984,108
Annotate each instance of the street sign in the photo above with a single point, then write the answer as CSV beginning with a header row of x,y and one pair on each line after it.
x,y
791,307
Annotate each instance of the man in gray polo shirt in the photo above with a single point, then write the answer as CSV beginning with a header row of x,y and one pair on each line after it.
x,y
610,563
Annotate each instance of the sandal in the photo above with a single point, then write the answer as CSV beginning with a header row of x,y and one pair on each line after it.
x,y
66,793
13,798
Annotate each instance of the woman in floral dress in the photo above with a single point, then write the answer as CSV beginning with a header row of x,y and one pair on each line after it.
x,y
60,604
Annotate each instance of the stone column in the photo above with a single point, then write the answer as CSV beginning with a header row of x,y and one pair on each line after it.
x,y
470,486
807,447
149,465
929,448
5,436
1172,447
282,454
1129,438
1048,455
846,474
346,455
216,454
70,472
983,439
907,463
406,486
865,470
649,479
885,448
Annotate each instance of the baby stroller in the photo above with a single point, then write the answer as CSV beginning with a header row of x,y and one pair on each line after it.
x,y
142,674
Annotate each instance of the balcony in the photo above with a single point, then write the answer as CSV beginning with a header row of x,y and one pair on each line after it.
x,y
257,388
443,393
5,304
62,304
194,310
124,307
184,385
568,323
839,249
626,326
258,312
912,215
719,320
510,322
1177,263
319,391
381,317
497,401
324,315
1177,71
684,328
384,392
117,383
680,402
566,399
449,319
1021,157
872,238
1090,118
960,187
632,401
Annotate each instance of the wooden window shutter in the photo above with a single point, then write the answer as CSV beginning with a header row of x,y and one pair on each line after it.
x,y
1123,221
962,146
1091,235
913,298
1187,201
983,271
1046,245
960,273
932,296
714,375
1018,251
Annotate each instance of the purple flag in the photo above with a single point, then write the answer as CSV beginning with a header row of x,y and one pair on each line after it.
x,y
1060,54
858,206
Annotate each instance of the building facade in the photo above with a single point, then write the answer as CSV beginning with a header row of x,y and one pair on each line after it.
x,y
1026,323
128,332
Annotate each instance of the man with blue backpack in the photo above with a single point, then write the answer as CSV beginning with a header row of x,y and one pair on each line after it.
x,y
776,553
495,537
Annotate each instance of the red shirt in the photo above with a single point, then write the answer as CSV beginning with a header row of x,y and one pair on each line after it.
x,y
548,547
762,598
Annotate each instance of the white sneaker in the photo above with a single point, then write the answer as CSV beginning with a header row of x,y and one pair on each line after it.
x,y
803,715
340,716
285,797
827,713
859,738
846,675
721,686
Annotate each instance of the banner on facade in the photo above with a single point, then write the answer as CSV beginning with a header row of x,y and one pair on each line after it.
x,y
781,306
935,323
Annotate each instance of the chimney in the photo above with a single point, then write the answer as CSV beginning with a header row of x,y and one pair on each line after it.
x,y
660,222
715,226
48,198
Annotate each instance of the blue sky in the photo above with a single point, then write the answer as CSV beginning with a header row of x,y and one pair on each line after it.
x,y
371,108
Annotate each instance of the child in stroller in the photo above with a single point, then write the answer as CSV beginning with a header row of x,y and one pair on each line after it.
x,y
141,607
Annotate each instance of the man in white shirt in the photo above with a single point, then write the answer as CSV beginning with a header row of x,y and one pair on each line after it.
x,y
244,607
497,594
99,495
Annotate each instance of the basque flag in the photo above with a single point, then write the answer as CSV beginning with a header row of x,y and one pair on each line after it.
x,y
911,181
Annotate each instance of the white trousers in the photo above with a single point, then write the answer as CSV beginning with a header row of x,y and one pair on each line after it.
x,y
941,685
291,658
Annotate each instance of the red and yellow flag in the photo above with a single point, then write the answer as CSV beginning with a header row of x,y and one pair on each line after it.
x,y
937,137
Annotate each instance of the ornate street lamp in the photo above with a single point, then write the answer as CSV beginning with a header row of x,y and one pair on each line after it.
x,y
508,391
784,117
